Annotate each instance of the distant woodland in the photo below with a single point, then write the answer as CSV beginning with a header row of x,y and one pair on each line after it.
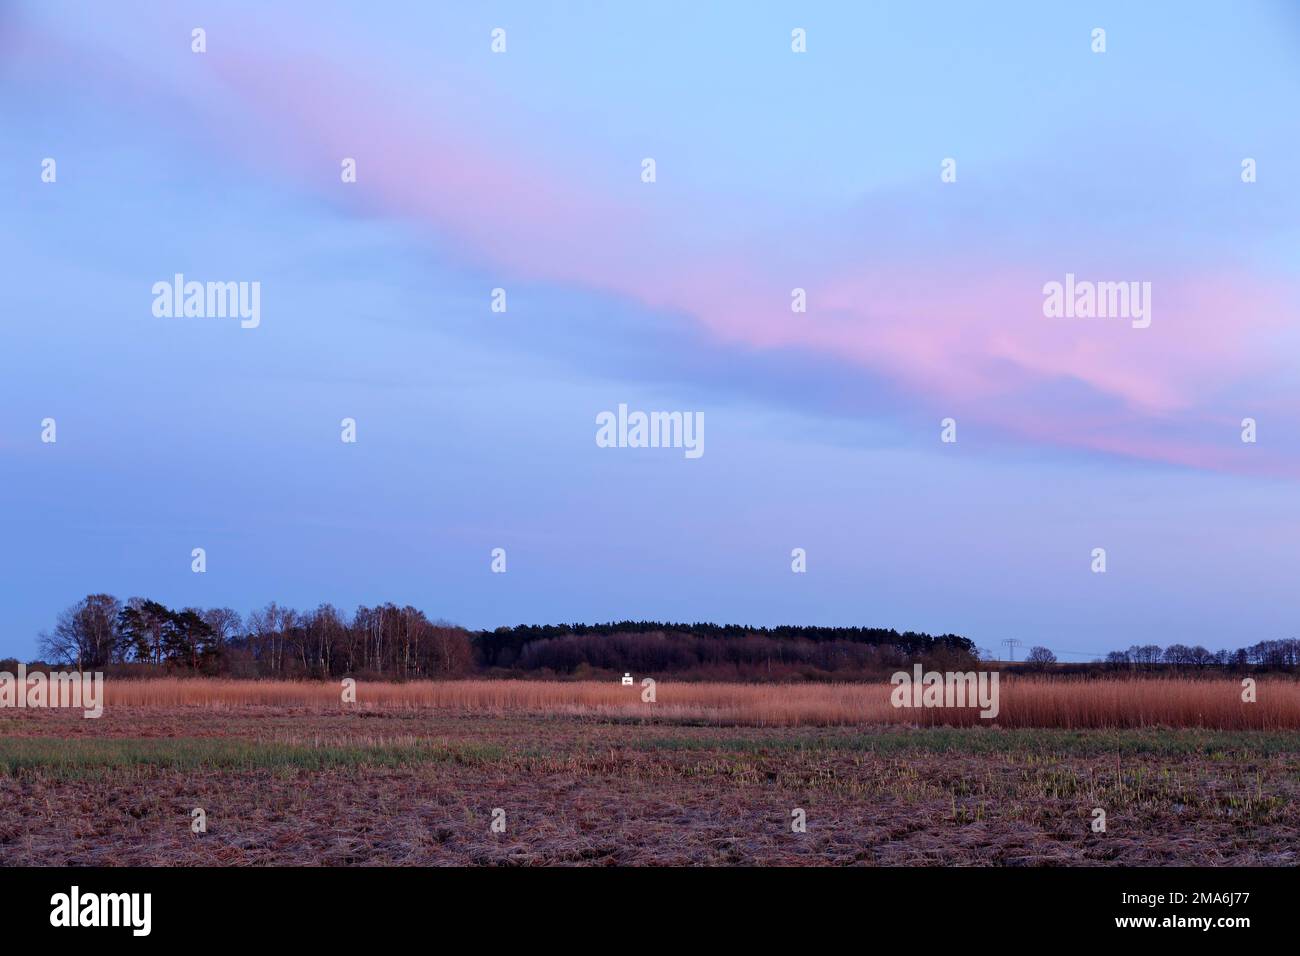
x,y
142,637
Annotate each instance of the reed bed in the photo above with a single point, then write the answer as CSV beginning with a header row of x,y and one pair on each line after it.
x,y
1024,701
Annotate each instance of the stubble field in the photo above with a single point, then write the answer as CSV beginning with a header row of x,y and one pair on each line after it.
x,y
406,780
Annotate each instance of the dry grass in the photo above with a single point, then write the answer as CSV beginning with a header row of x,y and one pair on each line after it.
x,y
410,787
1025,702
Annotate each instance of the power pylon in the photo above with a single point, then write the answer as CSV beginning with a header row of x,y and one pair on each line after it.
x,y
1012,643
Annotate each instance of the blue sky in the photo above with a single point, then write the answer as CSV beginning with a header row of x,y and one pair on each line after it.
x,y
775,170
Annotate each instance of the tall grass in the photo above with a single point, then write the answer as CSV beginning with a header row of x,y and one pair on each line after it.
x,y
1025,701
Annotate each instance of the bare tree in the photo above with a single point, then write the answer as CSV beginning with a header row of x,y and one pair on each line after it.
x,y
86,635
270,629
1040,657
1145,653
225,623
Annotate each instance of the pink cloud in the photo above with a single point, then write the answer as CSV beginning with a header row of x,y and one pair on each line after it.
x,y
972,337
967,336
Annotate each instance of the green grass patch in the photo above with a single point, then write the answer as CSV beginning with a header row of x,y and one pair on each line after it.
x,y
1215,744
88,756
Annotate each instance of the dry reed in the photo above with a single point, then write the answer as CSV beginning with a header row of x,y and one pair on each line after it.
x,y
1024,701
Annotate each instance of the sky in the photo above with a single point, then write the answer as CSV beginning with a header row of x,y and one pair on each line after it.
x,y
774,170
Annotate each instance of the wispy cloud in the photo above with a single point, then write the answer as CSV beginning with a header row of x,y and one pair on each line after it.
x,y
950,314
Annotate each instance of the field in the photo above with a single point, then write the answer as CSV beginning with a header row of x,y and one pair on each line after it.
x,y
1024,702
708,774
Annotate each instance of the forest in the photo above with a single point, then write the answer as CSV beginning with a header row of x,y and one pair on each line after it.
x,y
141,637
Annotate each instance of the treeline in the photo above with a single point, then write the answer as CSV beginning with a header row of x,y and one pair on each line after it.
x,y
390,642
700,642
724,654
1270,655
387,641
